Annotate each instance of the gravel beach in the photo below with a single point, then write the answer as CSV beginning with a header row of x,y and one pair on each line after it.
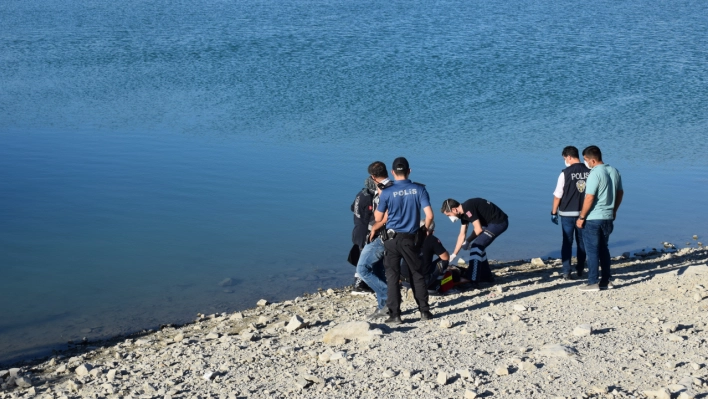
x,y
531,335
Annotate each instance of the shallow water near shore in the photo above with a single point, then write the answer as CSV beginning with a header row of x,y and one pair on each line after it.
x,y
149,153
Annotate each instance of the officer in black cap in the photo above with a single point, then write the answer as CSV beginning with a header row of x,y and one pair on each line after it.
x,y
404,200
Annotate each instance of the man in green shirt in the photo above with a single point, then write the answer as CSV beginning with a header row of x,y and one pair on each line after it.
x,y
603,196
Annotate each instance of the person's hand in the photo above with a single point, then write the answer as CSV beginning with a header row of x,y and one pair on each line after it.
x,y
614,215
580,223
372,234
452,257
554,218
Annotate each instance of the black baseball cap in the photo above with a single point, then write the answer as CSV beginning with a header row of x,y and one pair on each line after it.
x,y
400,164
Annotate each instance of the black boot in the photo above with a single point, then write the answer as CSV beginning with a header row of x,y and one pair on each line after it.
x,y
360,287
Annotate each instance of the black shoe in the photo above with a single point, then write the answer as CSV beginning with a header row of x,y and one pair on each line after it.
x,y
393,320
426,316
568,277
360,287
379,313
579,273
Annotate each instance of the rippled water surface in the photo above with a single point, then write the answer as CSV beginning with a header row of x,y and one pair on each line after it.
x,y
150,150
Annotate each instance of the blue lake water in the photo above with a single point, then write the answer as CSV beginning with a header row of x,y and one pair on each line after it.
x,y
150,150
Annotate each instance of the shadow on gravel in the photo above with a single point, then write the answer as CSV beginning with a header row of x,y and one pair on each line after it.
x,y
516,276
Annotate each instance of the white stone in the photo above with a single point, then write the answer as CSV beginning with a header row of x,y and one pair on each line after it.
x,y
211,336
501,371
445,323
337,356
349,331
519,308
14,372
262,302
675,338
111,375
556,350
470,394
658,394
179,337
209,375
236,316
527,366
295,324
538,262
83,370
669,327
23,382
442,378
582,330
686,395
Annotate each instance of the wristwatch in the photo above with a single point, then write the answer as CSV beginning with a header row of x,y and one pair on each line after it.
x,y
581,217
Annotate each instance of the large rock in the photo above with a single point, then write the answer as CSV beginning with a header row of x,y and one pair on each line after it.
x,y
23,382
658,394
83,370
538,262
556,350
442,378
295,323
582,330
353,330
262,302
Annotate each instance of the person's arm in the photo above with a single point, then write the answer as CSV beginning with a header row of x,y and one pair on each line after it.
x,y
618,201
376,226
460,240
556,204
444,256
378,216
587,205
429,216
558,193
477,228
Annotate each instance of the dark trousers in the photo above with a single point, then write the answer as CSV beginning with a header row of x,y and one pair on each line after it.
x,y
490,233
570,230
403,247
479,270
596,237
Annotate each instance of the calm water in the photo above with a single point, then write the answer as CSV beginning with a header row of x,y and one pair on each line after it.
x,y
150,150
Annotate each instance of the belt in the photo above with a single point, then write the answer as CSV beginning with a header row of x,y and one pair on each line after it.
x,y
405,235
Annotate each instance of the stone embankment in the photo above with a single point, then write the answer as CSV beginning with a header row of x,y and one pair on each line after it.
x,y
532,335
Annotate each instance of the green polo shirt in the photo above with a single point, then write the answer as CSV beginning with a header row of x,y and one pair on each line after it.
x,y
604,182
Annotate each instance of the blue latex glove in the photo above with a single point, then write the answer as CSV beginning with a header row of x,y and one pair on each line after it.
x,y
554,219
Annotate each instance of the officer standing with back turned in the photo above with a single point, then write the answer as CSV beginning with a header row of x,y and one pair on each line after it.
x,y
404,201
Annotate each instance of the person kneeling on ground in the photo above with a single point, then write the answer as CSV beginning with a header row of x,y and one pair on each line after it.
x,y
432,268
488,222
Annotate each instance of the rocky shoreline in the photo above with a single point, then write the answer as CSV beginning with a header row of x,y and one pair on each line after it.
x,y
531,335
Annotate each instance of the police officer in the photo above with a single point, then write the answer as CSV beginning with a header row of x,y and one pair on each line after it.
x,y
403,201
568,199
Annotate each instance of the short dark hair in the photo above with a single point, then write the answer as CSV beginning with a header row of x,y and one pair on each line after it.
x,y
378,169
593,152
570,151
448,204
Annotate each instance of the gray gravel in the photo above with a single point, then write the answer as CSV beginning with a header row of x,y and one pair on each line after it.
x,y
533,335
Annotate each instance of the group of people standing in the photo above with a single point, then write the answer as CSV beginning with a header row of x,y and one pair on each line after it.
x,y
393,244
